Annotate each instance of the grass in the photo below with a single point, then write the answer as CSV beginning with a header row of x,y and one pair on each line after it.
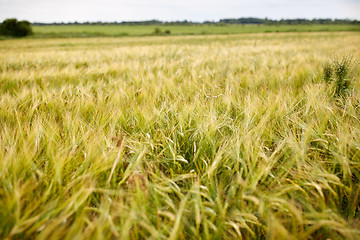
x,y
211,137
143,30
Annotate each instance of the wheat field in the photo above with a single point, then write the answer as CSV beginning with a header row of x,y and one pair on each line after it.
x,y
179,137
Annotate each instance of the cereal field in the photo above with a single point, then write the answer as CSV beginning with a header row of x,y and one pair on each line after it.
x,y
179,137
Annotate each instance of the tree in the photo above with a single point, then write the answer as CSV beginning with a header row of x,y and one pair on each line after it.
x,y
13,27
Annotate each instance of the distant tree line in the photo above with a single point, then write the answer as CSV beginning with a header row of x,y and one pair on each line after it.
x,y
263,21
149,22
287,21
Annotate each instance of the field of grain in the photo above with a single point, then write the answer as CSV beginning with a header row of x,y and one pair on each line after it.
x,y
179,137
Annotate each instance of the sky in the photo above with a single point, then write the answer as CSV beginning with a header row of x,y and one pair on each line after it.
x,y
169,10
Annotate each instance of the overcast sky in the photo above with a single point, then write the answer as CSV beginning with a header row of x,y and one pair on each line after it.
x,y
169,10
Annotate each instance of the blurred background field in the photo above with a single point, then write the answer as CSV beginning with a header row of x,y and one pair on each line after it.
x,y
143,30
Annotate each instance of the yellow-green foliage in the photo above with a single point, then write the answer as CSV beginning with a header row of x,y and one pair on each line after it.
x,y
200,137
